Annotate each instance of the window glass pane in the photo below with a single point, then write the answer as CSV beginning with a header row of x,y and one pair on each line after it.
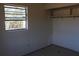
x,y
11,12
14,15
11,9
11,25
14,12
16,18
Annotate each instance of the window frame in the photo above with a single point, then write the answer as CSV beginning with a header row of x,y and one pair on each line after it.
x,y
26,18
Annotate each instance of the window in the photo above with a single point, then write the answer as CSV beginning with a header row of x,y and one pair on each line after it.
x,y
15,17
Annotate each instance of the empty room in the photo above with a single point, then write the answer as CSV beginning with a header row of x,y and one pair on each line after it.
x,y
39,29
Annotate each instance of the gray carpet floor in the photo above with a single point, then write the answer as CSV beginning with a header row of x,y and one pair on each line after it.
x,y
53,50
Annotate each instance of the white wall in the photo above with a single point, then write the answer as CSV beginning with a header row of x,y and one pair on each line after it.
x,y
25,41
66,32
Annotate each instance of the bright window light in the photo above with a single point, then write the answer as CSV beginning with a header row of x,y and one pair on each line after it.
x,y
15,17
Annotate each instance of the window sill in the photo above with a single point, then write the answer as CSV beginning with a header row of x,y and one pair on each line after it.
x,y
16,30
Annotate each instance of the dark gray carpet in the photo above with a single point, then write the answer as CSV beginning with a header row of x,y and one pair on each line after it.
x,y
53,50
